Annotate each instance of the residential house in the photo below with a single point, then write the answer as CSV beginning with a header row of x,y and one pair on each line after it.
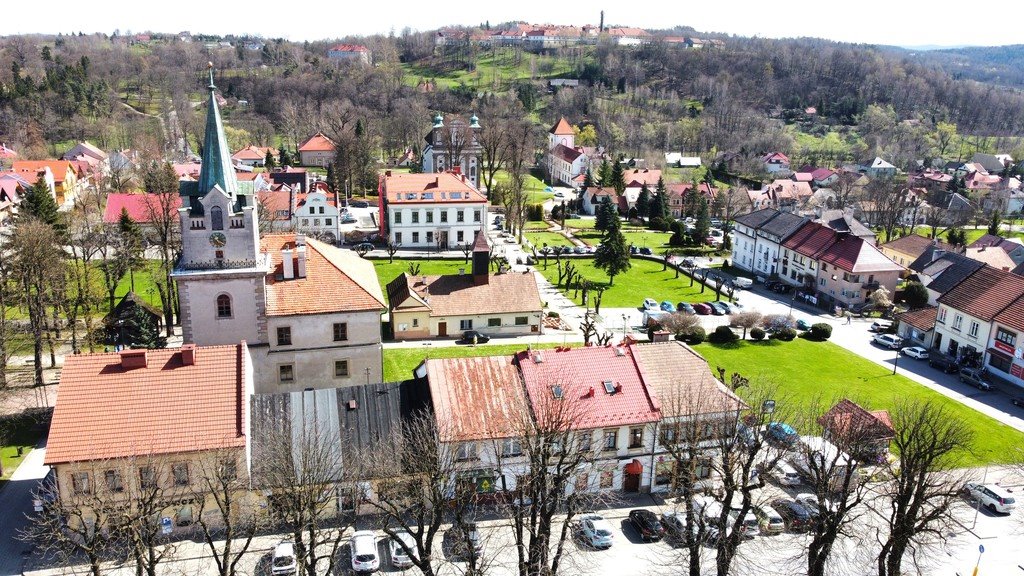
x,y
260,181
13,187
909,248
635,179
594,196
991,163
628,36
299,179
677,160
454,147
917,327
677,196
940,271
567,163
759,236
504,304
349,53
991,256
613,410
317,151
775,162
253,155
98,160
317,215
964,320
483,416
125,311
64,185
151,420
823,177
784,194
843,221
1004,355
430,210
149,211
850,424
277,209
1012,247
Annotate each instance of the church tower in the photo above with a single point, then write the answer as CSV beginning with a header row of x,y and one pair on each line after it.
x,y
221,272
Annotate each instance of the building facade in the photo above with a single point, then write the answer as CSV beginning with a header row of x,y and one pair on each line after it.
x,y
440,210
454,147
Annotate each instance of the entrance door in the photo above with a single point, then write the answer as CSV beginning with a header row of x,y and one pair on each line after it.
x,y
442,328
442,239
631,483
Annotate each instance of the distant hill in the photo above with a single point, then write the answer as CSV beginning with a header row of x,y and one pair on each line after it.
x,y
995,64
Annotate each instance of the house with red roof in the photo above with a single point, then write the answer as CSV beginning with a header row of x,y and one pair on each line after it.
x,y
97,160
317,151
979,320
349,53
850,424
254,155
567,163
151,422
142,208
782,194
12,187
775,162
430,210
60,175
678,192
592,197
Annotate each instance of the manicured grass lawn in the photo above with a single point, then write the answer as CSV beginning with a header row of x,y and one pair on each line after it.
x,y
972,234
537,225
532,184
644,280
650,239
387,271
400,362
806,370
16,432
580,223
550,238
145,283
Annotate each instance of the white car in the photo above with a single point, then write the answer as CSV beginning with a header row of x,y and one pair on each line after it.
x,y
284,561
742,283
596,531
651,304
995,498
787,475
364,552
399,558
916,352
887,341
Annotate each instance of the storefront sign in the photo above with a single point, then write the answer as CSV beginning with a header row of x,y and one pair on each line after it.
x,y
1003,347
1016,370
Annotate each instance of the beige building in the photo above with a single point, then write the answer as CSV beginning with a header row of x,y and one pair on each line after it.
x,y
506,304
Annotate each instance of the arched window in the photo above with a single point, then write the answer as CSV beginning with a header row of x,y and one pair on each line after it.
x,y
216,218
223,306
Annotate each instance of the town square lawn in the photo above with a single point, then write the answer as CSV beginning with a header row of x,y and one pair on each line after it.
x,y
400,362
645,279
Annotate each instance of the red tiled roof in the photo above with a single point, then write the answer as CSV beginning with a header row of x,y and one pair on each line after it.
x,y
853,254
637,177
682,380
923,318
915,245
811,239
477,398
141,207
680,190
775,157
317,143
107,411
562,128
336,280
440,187
847,415
458,295
274,201
578,370
565,153
985,293
1013,315
822,174
253,153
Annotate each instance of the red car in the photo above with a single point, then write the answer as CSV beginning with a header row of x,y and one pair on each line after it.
x,y
703,309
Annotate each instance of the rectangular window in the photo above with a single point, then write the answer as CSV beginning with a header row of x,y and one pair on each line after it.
x,y
340,331
585,440
415,216
941,318
113,479
430,216
286,373
341,369
1006,337
460,216
80,483
460,236
1000,363
305,221
284,335
398,217
444,216
476,215
179,471
467,451
430,237
668,435
147,478
973,330
415,322
316,221
398,237
511,447
415,237
958,322
465,324
821,281
611,439
636,437
328,222
522,320
494,322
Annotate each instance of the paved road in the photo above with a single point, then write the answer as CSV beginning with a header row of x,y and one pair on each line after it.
x,y
15,506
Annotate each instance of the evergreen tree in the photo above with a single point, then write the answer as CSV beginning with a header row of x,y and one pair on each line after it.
x,y
286,159
129,244
661,205
137,329
269,161
703,224
618,179
588,179
39,203
604,173
993,225
643,202
612,256
601,214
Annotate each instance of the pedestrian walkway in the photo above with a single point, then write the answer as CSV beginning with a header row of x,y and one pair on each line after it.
x,y
15,508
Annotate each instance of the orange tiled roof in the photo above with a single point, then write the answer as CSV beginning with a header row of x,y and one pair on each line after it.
x,y
106,411
458,295
562,128
336,280
318,143
476,398
59,168
430,188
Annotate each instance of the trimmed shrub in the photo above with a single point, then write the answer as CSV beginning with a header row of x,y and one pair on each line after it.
x,y
756,334
696,336
785,334
723,335
821,331
553,314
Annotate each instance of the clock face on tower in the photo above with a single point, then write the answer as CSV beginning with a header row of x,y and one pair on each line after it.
x,y
218,239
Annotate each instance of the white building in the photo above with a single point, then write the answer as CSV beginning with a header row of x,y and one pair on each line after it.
x,y
567,164
965,319
317,215
430,210
759,237
454,147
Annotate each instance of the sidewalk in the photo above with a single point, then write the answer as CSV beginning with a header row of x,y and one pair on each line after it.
x,y
16,504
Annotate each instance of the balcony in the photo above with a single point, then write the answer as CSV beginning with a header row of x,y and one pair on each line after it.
x,y
871,285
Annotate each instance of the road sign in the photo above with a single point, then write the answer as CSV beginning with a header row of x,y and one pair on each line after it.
x,y
165,525
981,548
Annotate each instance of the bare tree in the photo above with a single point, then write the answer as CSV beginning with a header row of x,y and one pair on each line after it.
x,y
392,248
680,323
139,522
921,489
746,320
85,238
226,521
162,201
466,249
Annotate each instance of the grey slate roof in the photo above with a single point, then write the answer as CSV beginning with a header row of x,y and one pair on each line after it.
x,y
840,221
784,224
757,218
959,269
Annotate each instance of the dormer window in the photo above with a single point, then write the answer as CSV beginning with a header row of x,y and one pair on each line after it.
x,y
609,386
216,218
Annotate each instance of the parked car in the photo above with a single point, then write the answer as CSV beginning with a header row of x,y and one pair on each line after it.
x,y
916,352
887,341
689,263
802,324
647,524
348,219
702,309
996,498
399,557
645,251
579,250
976,377
474,336
781,434
596,531
750,527
668,306
771,521
650,304
364,246
284,561
364,552
944,363
685,307
727,307
359,204
742,283
464,537
880,326
787,475
1017,401
811,503
782,288
795,516
716,308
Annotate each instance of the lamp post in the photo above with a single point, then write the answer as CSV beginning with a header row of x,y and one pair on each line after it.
x,y
895,361
624,326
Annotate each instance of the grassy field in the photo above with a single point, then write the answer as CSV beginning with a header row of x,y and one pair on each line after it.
x,y
580,223
494,70
533,185
644,280
804,370
650,239
400,362
972,233
550,238
15,433
537,225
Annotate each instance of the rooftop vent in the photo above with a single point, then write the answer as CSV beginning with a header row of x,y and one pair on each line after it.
x,y
609,386
538,357
557,392
188,354
619,351
352,404
133,359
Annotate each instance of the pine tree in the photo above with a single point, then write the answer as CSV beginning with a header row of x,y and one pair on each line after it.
x,y
38,202
138,330
703,224
618,179
286,159
604,173
662,206
643,202
612,256
588,180
269,161
601,215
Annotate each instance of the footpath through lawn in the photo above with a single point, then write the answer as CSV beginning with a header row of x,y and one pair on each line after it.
x,y
806,370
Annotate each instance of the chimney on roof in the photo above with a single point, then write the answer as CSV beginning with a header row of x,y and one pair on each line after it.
x,y
618,387
590,393
287,263
188,354
300,265
133,359
387,173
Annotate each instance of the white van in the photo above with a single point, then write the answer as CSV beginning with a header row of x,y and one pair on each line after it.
x,y
991,496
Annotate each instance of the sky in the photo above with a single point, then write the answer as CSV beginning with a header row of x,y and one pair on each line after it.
x,y
893,22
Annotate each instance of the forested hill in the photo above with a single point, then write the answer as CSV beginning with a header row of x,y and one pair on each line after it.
x,y
995,64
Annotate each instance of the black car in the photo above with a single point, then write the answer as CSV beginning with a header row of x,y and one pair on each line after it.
x,y
782,288
647,524
359,204
796,517
1017,401
943,363
645,251
474,337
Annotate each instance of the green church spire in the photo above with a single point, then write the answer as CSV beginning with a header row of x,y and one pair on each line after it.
x,y
217,169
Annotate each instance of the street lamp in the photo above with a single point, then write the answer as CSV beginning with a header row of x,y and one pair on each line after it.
x,y
624,326
895,361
